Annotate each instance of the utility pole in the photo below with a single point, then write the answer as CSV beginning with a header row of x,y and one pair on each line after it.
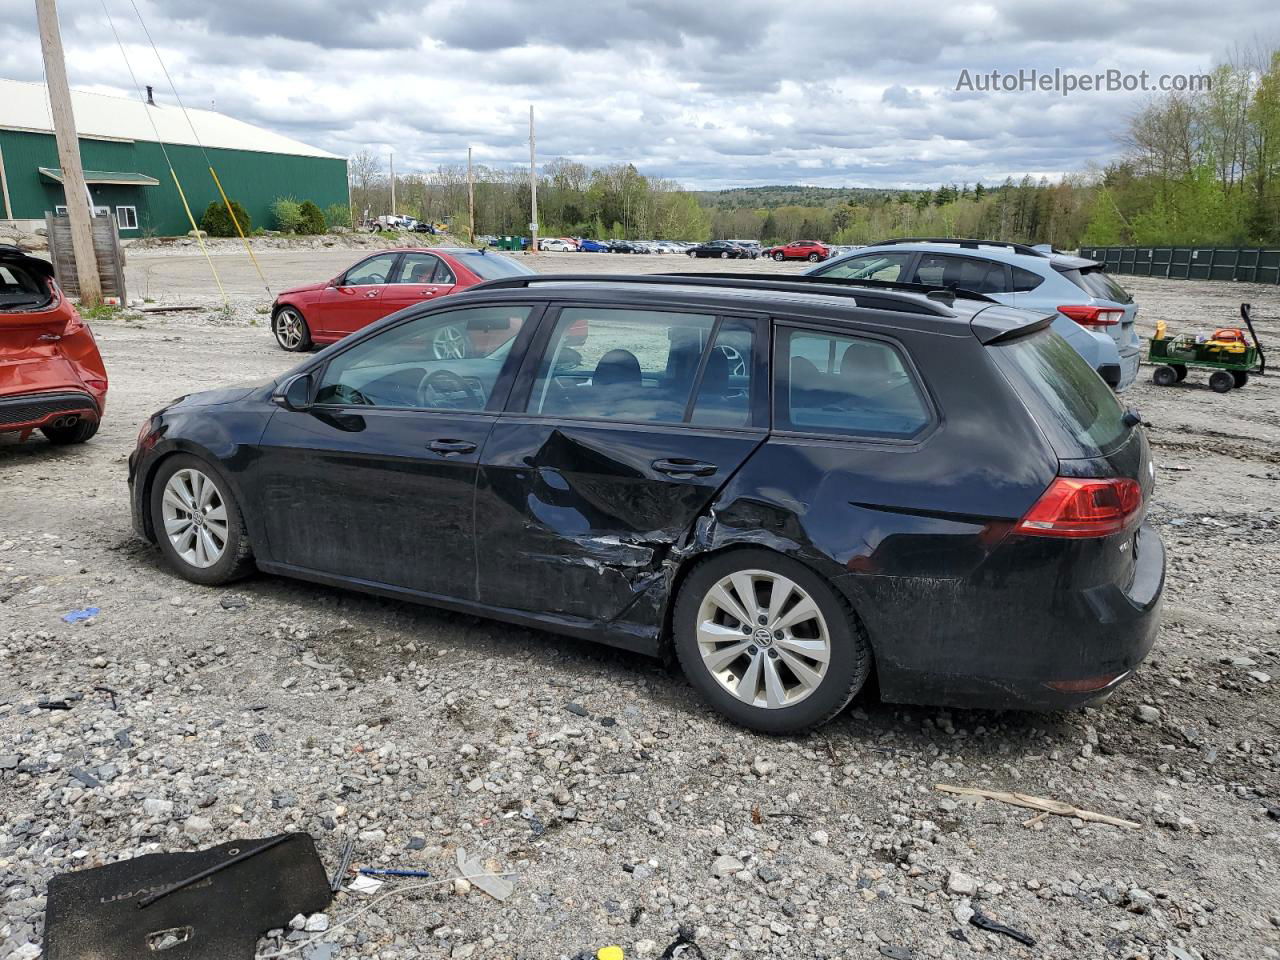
x,y
393,183
471,200
533,188
64,129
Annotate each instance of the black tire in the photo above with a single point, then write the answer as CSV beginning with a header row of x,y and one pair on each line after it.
x,y
282,329
724,255
850,655
237,556
1221,381
692,254
78,432
1180,369
814,258
1164,376
779,257
1241,377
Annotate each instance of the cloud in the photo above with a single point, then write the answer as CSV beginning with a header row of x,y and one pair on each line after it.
x,y
709,95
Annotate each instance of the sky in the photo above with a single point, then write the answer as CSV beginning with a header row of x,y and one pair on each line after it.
x,y
710,94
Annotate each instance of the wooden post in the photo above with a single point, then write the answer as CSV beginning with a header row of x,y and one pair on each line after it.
x,y
533,189
471,200
4,190
64,129
393,184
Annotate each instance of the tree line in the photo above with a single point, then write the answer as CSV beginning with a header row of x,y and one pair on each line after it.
x,y
1197,168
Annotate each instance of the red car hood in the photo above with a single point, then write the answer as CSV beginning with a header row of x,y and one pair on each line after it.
x,y
309,288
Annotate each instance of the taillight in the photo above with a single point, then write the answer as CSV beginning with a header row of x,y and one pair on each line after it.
x,y
1093,316
1073,507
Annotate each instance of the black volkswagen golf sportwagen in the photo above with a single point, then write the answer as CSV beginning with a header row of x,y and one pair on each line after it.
x,y
790,483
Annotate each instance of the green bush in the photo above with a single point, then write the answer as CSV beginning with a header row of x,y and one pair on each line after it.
x,y
288,214
337,215
312,220
216,222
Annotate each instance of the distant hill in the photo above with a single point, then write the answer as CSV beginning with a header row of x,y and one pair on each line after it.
x,y
791,196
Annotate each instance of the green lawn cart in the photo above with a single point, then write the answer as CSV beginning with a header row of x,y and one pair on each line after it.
x,y
1228,353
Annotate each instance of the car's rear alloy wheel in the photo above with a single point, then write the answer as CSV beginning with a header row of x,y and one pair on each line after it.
x,y
768,642
291,330
449,343
814,258
724,255
198,525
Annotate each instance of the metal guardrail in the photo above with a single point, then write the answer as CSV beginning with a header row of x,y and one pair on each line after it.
x,y
1249,264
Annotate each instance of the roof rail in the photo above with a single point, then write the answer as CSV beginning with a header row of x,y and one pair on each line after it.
x,y
965,242
884,294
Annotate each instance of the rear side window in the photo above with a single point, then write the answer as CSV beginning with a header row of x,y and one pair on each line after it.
x,y
20,289
1078,412
631,365
967,273
1098,283
829,383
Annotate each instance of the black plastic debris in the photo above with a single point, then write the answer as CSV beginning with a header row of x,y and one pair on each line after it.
x,y
209,905
983,922
683,947
85,777
897,953
1273,811
577,709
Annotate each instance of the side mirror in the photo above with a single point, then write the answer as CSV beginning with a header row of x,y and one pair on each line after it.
x,y
334,282
295,393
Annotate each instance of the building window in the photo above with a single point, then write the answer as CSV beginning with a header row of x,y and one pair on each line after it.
x,y
127,218
60,211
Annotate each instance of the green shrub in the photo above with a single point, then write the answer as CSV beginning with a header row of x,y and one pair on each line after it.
x,y
337,215
312,220
288,214
216,222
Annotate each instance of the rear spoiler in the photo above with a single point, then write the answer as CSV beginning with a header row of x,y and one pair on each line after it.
x,y
999,324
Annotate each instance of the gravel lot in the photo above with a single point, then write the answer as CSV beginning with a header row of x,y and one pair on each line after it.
x,y
622,806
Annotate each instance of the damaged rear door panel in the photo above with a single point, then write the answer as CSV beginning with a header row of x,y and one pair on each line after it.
x,y
577,517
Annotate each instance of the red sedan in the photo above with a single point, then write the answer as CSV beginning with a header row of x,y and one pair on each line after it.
x,y
381,284
810,250
52,378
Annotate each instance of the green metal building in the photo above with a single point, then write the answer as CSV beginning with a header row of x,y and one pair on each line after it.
x,y
122,148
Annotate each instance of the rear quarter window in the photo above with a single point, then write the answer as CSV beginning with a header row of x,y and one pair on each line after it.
x,y
1098,283
488,266
1077,411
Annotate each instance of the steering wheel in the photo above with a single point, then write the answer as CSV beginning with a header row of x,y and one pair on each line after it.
x,y
439,383
370,279
349,396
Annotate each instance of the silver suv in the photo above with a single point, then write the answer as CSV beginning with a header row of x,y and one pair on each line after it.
x,y
1095,314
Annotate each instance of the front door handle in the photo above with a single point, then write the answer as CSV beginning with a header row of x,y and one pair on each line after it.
x,y
448,447
682,467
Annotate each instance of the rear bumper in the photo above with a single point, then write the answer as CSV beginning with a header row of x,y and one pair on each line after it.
x,y
31,411
989,648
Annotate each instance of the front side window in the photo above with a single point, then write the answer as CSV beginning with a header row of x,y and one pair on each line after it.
x,y
632,365
417,365
374,270
830,383
966,273
870,266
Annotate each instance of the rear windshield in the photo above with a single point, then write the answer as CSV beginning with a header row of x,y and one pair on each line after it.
x,y
1098,283
20,289
492,267
1077,411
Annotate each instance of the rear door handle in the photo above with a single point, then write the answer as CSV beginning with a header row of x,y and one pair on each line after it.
x,y
681,467
447,447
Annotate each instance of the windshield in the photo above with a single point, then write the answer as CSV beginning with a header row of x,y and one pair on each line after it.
x,y
490,266
1077,411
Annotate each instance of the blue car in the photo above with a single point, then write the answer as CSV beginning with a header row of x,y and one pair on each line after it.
x,y
592,246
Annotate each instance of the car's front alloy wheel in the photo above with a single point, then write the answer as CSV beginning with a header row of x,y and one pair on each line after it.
x,y
291,330
197,522
768,642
